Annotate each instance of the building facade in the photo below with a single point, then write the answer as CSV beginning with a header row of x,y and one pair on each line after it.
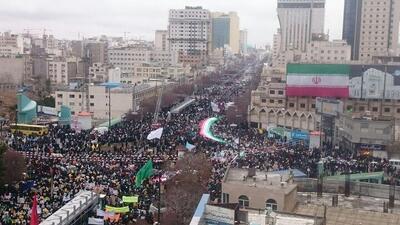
x,y
96,51
259,191
364,134
15,71
57,71
225,31
298,20
189,34
126,58
317,51
243,41
161,40
371,27
145,71
98,73
121,100
11,44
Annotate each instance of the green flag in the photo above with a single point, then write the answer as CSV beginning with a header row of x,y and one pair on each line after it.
x,y
144,173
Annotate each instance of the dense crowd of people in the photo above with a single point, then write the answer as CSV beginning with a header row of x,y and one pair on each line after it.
x,y
64,162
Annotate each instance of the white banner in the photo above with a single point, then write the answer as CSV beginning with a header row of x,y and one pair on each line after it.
x,y
95,221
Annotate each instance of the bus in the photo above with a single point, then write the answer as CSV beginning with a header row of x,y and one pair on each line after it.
x,y
27,129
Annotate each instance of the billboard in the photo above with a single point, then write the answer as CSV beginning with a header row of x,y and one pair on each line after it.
x,y
374,81
343,81
328,106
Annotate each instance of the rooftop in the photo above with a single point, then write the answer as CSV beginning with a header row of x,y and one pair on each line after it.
x,y
262,179
351,210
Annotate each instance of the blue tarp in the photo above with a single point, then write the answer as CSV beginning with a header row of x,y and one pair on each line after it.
x,y
296,173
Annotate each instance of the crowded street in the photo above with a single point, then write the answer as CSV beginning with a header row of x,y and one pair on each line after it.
x,y
64,162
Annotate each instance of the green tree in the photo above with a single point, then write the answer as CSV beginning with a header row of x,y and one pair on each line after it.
x,y
48,101
48,86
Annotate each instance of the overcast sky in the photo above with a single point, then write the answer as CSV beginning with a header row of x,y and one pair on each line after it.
x,y
67,18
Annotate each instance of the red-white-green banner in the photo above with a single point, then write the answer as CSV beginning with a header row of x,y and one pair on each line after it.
x,y
319,80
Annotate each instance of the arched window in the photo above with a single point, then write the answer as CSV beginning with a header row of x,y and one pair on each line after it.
x,y
271,203
244,201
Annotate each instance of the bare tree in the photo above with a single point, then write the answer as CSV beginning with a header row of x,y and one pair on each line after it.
x,y
14,167
184,191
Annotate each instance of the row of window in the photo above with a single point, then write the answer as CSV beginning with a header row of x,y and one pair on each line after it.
x,y
269,204
373,109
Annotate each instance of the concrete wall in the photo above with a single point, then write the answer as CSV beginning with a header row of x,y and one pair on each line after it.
x,y
259,195
356,188
12,70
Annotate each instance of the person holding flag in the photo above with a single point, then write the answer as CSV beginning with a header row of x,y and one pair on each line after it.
x,y
144,173
34,214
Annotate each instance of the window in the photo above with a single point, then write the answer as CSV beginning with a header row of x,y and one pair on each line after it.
x,y
291,105
59,95
271,101
271,204
272,92
244,201
302,105
263,100
374,109
91,96
280,101
387,110
91,104
398,110
280,92
361,108
225,197
72,96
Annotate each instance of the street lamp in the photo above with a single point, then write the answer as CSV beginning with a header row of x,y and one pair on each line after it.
x,y
108,87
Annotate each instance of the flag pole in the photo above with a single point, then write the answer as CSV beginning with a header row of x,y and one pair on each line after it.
x,y
159,197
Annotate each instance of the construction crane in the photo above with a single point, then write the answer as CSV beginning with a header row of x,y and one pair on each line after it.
x,y
158,105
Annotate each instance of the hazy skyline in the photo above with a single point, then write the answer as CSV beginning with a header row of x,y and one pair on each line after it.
x,y
65,19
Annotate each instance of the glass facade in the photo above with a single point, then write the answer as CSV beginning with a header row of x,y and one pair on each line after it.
x,y
220,32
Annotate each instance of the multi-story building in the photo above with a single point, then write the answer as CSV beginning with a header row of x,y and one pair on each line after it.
x,y
364,134
243,41
96,51
318,51
161,40
126,58
373,94
145,71
225,31
76,48
189,33
11,44
98,73
58,71
299,20
121,99
323,51
371,27
15,71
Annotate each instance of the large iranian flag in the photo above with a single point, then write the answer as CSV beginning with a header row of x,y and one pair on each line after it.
x,y
319,80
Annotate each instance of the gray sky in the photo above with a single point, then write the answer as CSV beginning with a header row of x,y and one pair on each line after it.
x,y
67,18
